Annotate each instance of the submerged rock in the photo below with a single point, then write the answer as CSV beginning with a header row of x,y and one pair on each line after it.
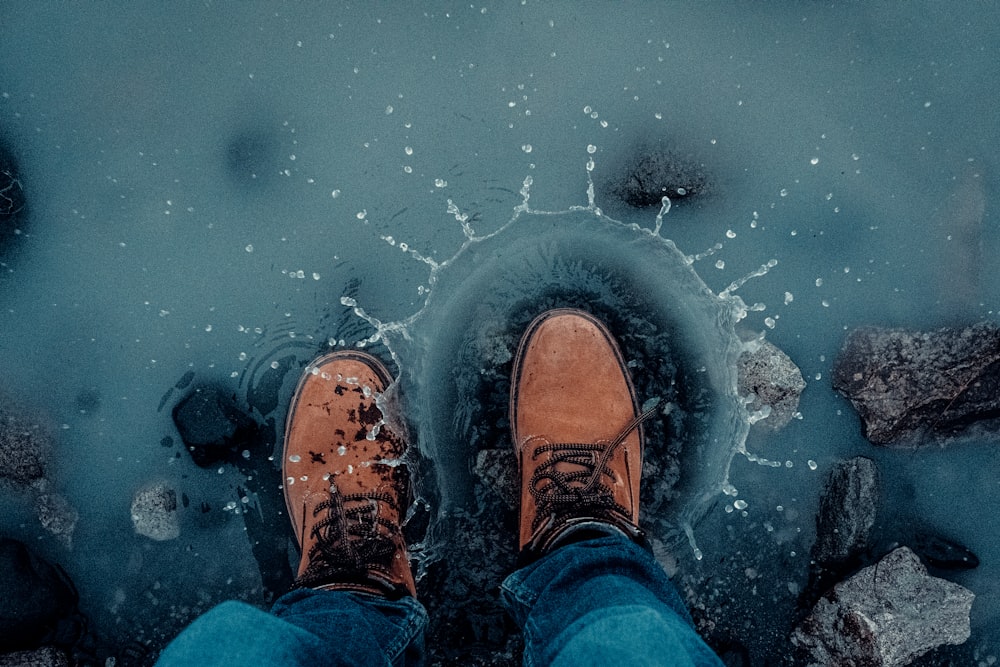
x,y
47,656
212,426
774,380
154,512
25,444
36,596
56,514
909,386
657,172
497,468
886,615
847,512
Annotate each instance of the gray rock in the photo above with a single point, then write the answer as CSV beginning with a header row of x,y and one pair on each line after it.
x,y
154,512
847,512
912,387
774,380
25,444
56,514
886,615
47,656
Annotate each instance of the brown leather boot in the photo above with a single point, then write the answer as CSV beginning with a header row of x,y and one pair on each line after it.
x,y
345,488
577,435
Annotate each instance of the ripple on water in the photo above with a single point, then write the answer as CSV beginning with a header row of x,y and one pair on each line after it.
x,y
678,337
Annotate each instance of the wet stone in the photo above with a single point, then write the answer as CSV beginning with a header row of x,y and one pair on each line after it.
x,y
775,382
912,387
847,512
886,615
497,468
37,597
47,656
212,426
154,512
56,515
655,172
25,444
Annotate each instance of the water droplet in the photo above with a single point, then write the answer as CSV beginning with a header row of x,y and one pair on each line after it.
x,y
294,458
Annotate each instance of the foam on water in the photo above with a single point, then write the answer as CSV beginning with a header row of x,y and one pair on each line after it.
x,y
678,336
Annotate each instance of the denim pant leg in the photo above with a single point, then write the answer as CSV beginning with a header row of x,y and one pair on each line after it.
x,y
305,627
602,601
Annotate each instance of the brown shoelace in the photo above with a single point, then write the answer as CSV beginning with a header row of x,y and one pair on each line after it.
x,y
581,490
351,539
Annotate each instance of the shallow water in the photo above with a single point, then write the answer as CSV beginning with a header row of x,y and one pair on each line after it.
x,y
204,188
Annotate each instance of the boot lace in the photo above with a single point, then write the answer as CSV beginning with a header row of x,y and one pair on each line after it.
x,y
572,481
351,539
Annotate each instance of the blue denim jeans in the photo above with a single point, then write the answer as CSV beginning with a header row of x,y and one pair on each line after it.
x,y
596,602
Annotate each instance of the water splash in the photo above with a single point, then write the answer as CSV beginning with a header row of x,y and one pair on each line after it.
x,y
678,337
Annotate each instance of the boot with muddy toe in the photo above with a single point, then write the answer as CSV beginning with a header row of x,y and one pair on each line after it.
x,y
345,488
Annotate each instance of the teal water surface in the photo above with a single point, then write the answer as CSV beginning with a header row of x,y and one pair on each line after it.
x,y
206,183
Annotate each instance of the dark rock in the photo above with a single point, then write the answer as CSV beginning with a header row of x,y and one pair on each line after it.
x,y
47,656
212,426
886,615
497,468
847,512
943,553
25,444
774,380
656,172
34,597
911,386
